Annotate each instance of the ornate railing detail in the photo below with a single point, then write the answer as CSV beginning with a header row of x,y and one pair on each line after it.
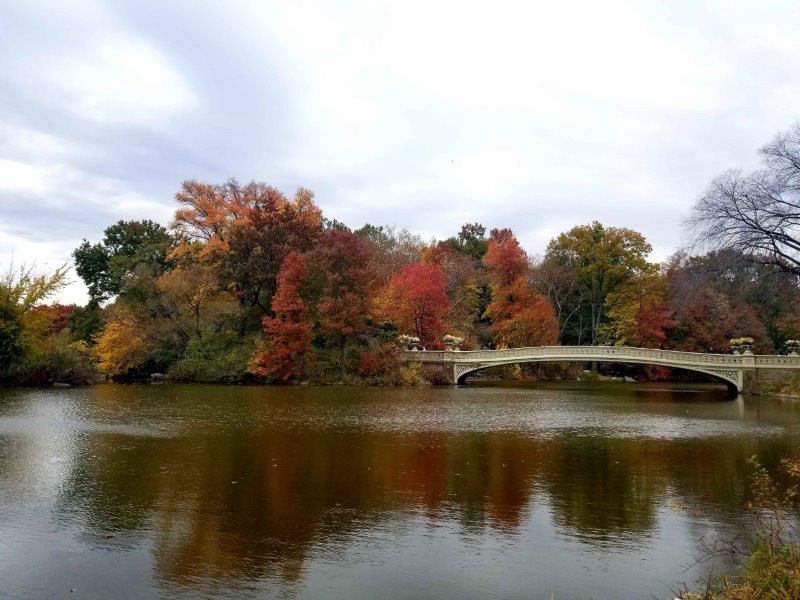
x,y
589,353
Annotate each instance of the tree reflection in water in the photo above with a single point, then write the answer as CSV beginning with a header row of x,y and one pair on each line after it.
x,y
243,483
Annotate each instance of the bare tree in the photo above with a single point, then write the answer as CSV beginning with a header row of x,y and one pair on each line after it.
x,y
756,213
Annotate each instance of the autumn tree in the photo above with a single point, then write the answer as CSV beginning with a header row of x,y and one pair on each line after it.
x,y
416,301
467,288
773,293
566,294
520,315
245,232
602,260
21,289
122,346
390,249
505,258
639,314
707,314
341,261
289,332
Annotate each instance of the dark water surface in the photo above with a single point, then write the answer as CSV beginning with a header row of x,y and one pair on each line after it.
x,y
476,492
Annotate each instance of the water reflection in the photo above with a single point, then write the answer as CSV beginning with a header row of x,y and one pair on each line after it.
x,y
238,490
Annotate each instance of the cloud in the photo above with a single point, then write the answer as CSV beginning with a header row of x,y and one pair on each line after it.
x,y
423,114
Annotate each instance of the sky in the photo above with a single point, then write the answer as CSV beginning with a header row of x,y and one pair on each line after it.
x,y
422,114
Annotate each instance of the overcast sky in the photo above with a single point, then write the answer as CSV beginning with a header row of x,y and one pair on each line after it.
x,y
423,114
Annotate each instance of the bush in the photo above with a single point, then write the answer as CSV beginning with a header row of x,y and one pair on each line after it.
x,y
771,570
58,361
219,360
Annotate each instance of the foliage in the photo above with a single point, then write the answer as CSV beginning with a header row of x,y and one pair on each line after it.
x,y
602,260
122,346
220,359
471,241
638,314
519,315
415,300
20,291
55,360
342,264
467,288
245,232
505,258
522,317
249,276
289,331
107,267
390,250
769,566
707,310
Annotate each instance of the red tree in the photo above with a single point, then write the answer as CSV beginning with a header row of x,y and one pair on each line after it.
x,y
504,257
415,300
289,332
521,316
342,264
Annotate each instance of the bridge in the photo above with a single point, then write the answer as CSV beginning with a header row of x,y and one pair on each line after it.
x,y
741,372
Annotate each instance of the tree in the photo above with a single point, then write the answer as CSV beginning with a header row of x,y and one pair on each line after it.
x,y
415,300
342,259
122,346
20,291
756,213
106,267
390,250
602,259
522,317
566,294
471,240
289,331
245,232
504,257
467,288
709,307
773,293
639,314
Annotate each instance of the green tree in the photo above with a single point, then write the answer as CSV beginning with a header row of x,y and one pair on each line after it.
x,y
471,240
602,260
106,267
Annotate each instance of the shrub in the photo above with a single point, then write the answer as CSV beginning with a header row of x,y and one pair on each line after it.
x,y
57,361
219,360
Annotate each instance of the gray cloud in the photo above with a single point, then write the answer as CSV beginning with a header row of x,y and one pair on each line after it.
x,y
537,117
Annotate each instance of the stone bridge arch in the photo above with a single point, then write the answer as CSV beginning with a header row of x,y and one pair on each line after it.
x,y
729,368
730,377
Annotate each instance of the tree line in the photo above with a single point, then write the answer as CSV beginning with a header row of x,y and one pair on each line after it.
x,y
247,283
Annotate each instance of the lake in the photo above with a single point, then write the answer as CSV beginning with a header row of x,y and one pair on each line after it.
x,y
492,491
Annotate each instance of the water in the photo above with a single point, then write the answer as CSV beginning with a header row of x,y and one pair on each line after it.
x,y
476,492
